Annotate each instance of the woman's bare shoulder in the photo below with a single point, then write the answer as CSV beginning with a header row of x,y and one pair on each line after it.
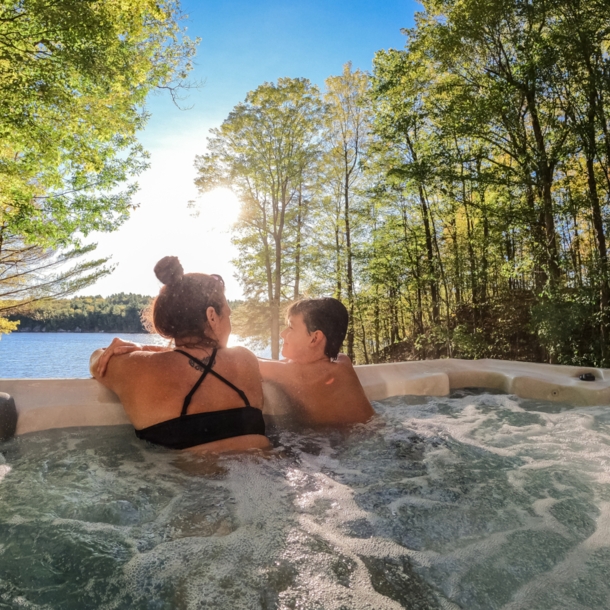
x,y
240,357
123,369
240,353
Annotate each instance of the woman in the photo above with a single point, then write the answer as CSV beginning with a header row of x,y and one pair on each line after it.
x,y
201,395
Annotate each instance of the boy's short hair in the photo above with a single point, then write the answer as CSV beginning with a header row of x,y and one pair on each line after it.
x,y
327,315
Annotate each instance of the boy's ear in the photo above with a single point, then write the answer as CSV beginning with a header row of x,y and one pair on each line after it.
x,y
316,338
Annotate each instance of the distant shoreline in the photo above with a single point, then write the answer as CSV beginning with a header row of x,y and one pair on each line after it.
x,y
79,332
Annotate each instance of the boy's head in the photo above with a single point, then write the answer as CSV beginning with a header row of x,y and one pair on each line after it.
x,y
327,315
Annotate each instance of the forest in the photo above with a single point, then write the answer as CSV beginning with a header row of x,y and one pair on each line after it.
x,y
456,199
91,314
117,313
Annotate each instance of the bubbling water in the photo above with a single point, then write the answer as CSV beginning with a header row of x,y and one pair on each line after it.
x,y
475,501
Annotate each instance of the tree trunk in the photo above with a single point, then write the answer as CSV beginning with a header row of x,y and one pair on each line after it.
x,y
599,232
297,255
350,276
364,348
598,223
376,321
484,261
537,231
473,267
279,219
275,301
337,263
456,259
545,171
430,255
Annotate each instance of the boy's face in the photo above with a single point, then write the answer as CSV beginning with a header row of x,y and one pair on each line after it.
x,y
297,339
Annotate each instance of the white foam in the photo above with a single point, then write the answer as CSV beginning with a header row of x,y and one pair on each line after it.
x,y
437,491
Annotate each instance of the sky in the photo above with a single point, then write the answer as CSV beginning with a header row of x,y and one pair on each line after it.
x,y
244,43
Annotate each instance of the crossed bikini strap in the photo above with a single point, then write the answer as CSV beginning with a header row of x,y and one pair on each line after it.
x,y
207,368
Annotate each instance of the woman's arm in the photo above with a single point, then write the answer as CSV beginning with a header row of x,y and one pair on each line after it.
x,y
122,374
272,370
94,360
100,358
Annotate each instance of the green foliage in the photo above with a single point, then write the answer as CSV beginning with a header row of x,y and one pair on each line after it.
x,y
74,77
567,325
250,320
492,129
117,313
461,198
6,326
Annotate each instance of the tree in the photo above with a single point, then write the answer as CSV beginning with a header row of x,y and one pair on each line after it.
x,y
347,130
404,120
116,313
263,152
74,76
31,273
462,209
505,105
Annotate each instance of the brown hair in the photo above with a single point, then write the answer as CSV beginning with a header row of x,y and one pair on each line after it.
x,y
180,309
327,315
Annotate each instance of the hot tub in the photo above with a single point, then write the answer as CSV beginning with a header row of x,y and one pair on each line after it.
x,y
43,404
447,498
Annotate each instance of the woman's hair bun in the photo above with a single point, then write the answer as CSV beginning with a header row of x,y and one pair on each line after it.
x,y
169,270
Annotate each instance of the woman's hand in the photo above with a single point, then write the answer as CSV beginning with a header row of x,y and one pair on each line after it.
x,y
118,347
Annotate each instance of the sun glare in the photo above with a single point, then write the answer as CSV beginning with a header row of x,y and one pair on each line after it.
x,y
204,242
218,208
164,225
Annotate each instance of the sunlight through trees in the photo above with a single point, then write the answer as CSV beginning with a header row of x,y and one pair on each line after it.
x,y
456,199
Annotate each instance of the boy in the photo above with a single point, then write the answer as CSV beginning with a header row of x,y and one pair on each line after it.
x,y
320,384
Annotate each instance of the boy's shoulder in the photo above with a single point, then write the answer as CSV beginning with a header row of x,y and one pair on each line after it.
x,y
344,359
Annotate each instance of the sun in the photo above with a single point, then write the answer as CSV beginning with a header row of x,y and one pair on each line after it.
x,y
218,208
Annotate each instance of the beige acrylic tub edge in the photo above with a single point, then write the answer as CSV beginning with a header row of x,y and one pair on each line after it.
x,y
62,403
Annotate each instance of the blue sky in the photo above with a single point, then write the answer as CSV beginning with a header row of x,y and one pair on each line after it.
x,y
243,44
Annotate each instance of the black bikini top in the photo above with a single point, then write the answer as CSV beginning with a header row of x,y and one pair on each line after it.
x,y
200,428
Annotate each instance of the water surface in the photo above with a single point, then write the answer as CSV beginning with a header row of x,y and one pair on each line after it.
x,y
474,502
64,355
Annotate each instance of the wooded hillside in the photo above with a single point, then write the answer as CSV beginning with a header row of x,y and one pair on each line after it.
x,y
117,313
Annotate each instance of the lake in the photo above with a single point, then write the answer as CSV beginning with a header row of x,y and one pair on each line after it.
x,y
48,355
